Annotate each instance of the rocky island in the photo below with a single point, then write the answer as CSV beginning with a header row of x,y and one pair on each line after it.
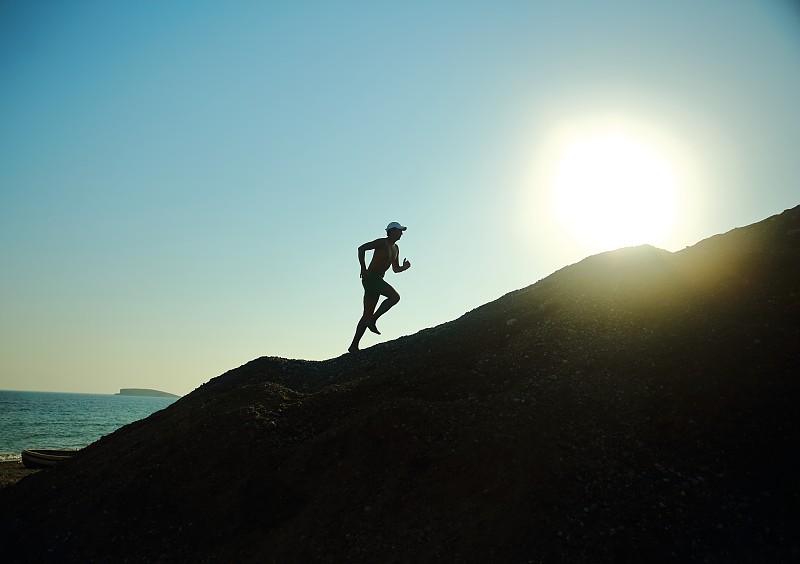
x,y
638,406
145,392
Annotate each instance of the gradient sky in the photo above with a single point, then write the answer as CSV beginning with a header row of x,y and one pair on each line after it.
x,y
183,185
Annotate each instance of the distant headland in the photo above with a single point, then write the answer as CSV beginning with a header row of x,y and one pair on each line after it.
x,y
145,392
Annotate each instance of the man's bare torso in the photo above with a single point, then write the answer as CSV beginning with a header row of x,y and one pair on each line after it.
x,y
383,256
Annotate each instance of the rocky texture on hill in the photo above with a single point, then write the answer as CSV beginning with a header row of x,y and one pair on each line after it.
x,y
639,406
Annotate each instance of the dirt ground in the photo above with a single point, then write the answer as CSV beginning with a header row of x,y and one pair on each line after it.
x,y
13,472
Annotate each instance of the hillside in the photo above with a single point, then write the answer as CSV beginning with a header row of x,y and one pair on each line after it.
x,y
638,406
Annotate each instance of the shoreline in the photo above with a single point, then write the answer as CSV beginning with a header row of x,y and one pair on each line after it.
x,y
12,472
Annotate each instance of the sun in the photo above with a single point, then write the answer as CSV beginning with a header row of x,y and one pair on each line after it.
x,y
610,190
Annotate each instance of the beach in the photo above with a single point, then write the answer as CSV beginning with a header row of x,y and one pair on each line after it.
x,y
12,472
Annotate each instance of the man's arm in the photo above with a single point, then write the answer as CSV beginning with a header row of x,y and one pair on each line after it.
x,y
362,251
396,262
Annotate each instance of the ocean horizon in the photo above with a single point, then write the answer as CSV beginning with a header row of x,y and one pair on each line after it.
x,y
62,420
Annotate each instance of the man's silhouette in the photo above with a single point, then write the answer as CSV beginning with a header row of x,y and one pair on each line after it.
x,y
386,253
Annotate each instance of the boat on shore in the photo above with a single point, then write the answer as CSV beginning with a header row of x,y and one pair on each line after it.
x,y
41,458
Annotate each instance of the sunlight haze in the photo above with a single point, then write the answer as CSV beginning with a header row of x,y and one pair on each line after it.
x,y
611,191
184,184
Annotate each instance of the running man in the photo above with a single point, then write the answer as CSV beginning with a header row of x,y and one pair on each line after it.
x,y
386,253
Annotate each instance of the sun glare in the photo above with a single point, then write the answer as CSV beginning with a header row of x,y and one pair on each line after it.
x,y
611,191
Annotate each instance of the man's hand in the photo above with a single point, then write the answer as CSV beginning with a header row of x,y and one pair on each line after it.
x,y
406,264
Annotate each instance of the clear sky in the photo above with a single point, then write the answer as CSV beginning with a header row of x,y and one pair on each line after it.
x,y
183,184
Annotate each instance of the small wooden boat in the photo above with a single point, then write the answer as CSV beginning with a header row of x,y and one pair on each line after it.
x,y
38,458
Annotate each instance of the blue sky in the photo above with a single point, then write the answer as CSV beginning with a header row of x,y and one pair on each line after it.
x,y
183,185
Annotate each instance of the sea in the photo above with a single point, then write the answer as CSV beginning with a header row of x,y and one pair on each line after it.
x,y
51,420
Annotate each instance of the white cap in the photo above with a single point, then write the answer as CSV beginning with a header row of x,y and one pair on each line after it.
x,y
395,225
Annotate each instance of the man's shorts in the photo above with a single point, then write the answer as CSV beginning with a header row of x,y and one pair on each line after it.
x,y
375,286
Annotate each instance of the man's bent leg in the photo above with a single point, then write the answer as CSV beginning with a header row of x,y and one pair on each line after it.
x,y
392,297
366,319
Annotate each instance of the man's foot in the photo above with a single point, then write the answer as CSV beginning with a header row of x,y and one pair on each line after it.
x,y
373,328
353,349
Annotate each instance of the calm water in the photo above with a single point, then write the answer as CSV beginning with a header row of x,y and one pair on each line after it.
x,y
53,420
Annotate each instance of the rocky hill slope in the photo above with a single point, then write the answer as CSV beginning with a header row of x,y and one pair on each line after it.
x,y
639,406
